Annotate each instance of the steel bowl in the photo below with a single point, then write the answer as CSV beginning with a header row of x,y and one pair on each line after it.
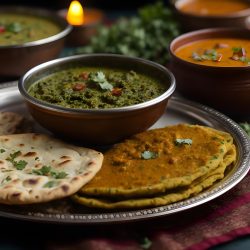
x,y
15,60
98,126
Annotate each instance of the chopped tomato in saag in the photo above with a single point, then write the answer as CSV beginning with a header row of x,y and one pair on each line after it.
x,y
88,88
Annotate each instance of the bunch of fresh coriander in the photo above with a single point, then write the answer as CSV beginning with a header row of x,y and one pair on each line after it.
x,y
146,35
246,127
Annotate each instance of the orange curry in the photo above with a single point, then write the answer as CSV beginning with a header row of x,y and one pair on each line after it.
x,y
212,7
221,52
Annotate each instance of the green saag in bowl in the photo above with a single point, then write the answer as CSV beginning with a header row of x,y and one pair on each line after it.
x,y
98,98
95,88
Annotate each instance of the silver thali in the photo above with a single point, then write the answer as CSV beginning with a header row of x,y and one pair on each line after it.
x,y
179,110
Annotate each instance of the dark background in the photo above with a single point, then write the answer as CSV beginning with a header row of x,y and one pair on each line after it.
x,y
103,4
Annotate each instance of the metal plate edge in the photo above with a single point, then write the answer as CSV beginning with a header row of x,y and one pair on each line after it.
x,y
181,105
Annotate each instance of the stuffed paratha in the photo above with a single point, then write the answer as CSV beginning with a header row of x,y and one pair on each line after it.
x,y
158,160
39,168
162,199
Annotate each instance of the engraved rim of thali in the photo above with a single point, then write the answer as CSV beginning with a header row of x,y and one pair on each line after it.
x,y
176,104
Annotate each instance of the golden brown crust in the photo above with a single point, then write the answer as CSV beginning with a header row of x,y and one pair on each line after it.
x,y
125,173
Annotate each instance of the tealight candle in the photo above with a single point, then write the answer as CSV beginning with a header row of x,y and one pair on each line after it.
x,y
75,15
84,22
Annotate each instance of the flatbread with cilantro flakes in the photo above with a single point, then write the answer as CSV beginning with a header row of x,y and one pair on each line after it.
x,y
39,168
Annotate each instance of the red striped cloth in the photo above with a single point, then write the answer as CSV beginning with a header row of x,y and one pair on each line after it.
x,y
218,221
226,218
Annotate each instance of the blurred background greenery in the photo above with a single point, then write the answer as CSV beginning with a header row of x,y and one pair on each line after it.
x,y
105,5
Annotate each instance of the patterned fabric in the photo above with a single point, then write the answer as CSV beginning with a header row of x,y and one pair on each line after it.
x,y
218,221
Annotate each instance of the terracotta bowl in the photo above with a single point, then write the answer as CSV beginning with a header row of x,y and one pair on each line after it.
x,y
191,22
98,126
15,60
224,88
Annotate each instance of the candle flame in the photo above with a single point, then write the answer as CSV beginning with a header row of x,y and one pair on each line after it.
x,y
75,15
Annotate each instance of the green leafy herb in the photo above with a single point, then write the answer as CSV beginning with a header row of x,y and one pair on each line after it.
x,y
244,59
7,179
214,157
146,243
2,150
20,165
246,127
146,155
12,157
59,175
196,57
236,49
100,79
14,27
44,170
50,184
146,35
240,54
210,55
179,142
47,171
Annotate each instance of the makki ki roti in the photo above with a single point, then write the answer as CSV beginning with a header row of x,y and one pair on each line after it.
x,y
158,160
166,198
39,168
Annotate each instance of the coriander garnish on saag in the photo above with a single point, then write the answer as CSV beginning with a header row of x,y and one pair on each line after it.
x,y
96,88
100,78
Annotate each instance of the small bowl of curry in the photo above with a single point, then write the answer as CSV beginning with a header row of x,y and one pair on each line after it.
x,y
97,98
212,66
201,14
28,37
